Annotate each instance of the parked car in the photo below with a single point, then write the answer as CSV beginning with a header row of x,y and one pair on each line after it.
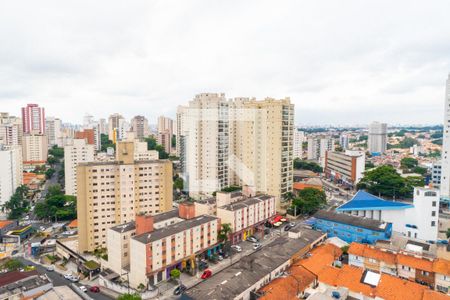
x,y
95,289
257,246
50,268
202,265
206,274
68,276
252,239
180,290
287,227
220,257
83,288
237,248
75,279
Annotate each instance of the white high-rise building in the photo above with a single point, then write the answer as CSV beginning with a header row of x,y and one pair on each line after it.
x,y
79,151
35,148
11,171
299,139
445,159
113,125
53,131
344,141
317,148
103,126
240,142
377,137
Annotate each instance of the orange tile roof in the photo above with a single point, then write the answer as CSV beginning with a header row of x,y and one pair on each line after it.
x,y
288,287
347,276
321,257
433,295
4,223
441,266
370,252
394,288
414,262
73,224
302,185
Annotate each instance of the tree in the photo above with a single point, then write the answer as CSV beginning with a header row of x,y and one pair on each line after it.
x,y
448,233
153,145
307,165
386,182
369,165
56,152
408,163
225,230
57,205
129,297
175,273
309,200
17,204
52,160
174,141
105,142
178,183
49,173
13,265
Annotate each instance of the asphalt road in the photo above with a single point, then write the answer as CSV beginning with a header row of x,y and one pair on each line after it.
x,y
59,280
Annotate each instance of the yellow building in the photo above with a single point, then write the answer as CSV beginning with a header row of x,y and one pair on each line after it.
x,y
111,193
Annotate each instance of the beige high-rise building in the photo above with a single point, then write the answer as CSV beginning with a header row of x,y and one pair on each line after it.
x,y
165,124
236,142
112,193
79,151
11,171
261,145
139,125
34,147
165,140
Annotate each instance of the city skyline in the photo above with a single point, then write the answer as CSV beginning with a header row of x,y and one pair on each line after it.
x,y
390,65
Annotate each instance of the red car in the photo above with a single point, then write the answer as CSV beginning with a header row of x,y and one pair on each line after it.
x,y
95,289
206,274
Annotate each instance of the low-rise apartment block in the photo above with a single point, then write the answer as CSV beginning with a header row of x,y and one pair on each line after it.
x,y
155,252
111,193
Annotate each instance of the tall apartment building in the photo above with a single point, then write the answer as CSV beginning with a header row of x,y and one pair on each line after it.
x,y
377,137
236,142
11,171
53,130
445,157
79,151
317,147
113,125
205,135
33,118
165,140
111,193
344,141
10,130
34,147
165,124
139,125
299,139
103,126
345,168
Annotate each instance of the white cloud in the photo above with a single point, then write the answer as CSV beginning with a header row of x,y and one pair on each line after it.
x,y
341,62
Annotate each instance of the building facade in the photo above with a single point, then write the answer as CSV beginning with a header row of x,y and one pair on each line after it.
x,y
377,141
11,171
350,228
139,125
299,139
34,148
247,216
345,167
78,152
418,219
53,130
155,252
33,118
112,193
113,125
445,156
10,130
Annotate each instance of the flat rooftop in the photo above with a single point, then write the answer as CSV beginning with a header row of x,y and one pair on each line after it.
x,y
173,229
156,219
344,218
237,278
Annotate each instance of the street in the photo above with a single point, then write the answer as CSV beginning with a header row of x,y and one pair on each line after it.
x,y
59,280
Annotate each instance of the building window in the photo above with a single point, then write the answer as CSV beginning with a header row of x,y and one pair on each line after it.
x,y
433,203
433,223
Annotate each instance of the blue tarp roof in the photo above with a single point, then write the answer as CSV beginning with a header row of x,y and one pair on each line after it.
x,y
365,201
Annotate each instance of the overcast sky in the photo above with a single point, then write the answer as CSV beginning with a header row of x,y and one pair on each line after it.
x,y
340,62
